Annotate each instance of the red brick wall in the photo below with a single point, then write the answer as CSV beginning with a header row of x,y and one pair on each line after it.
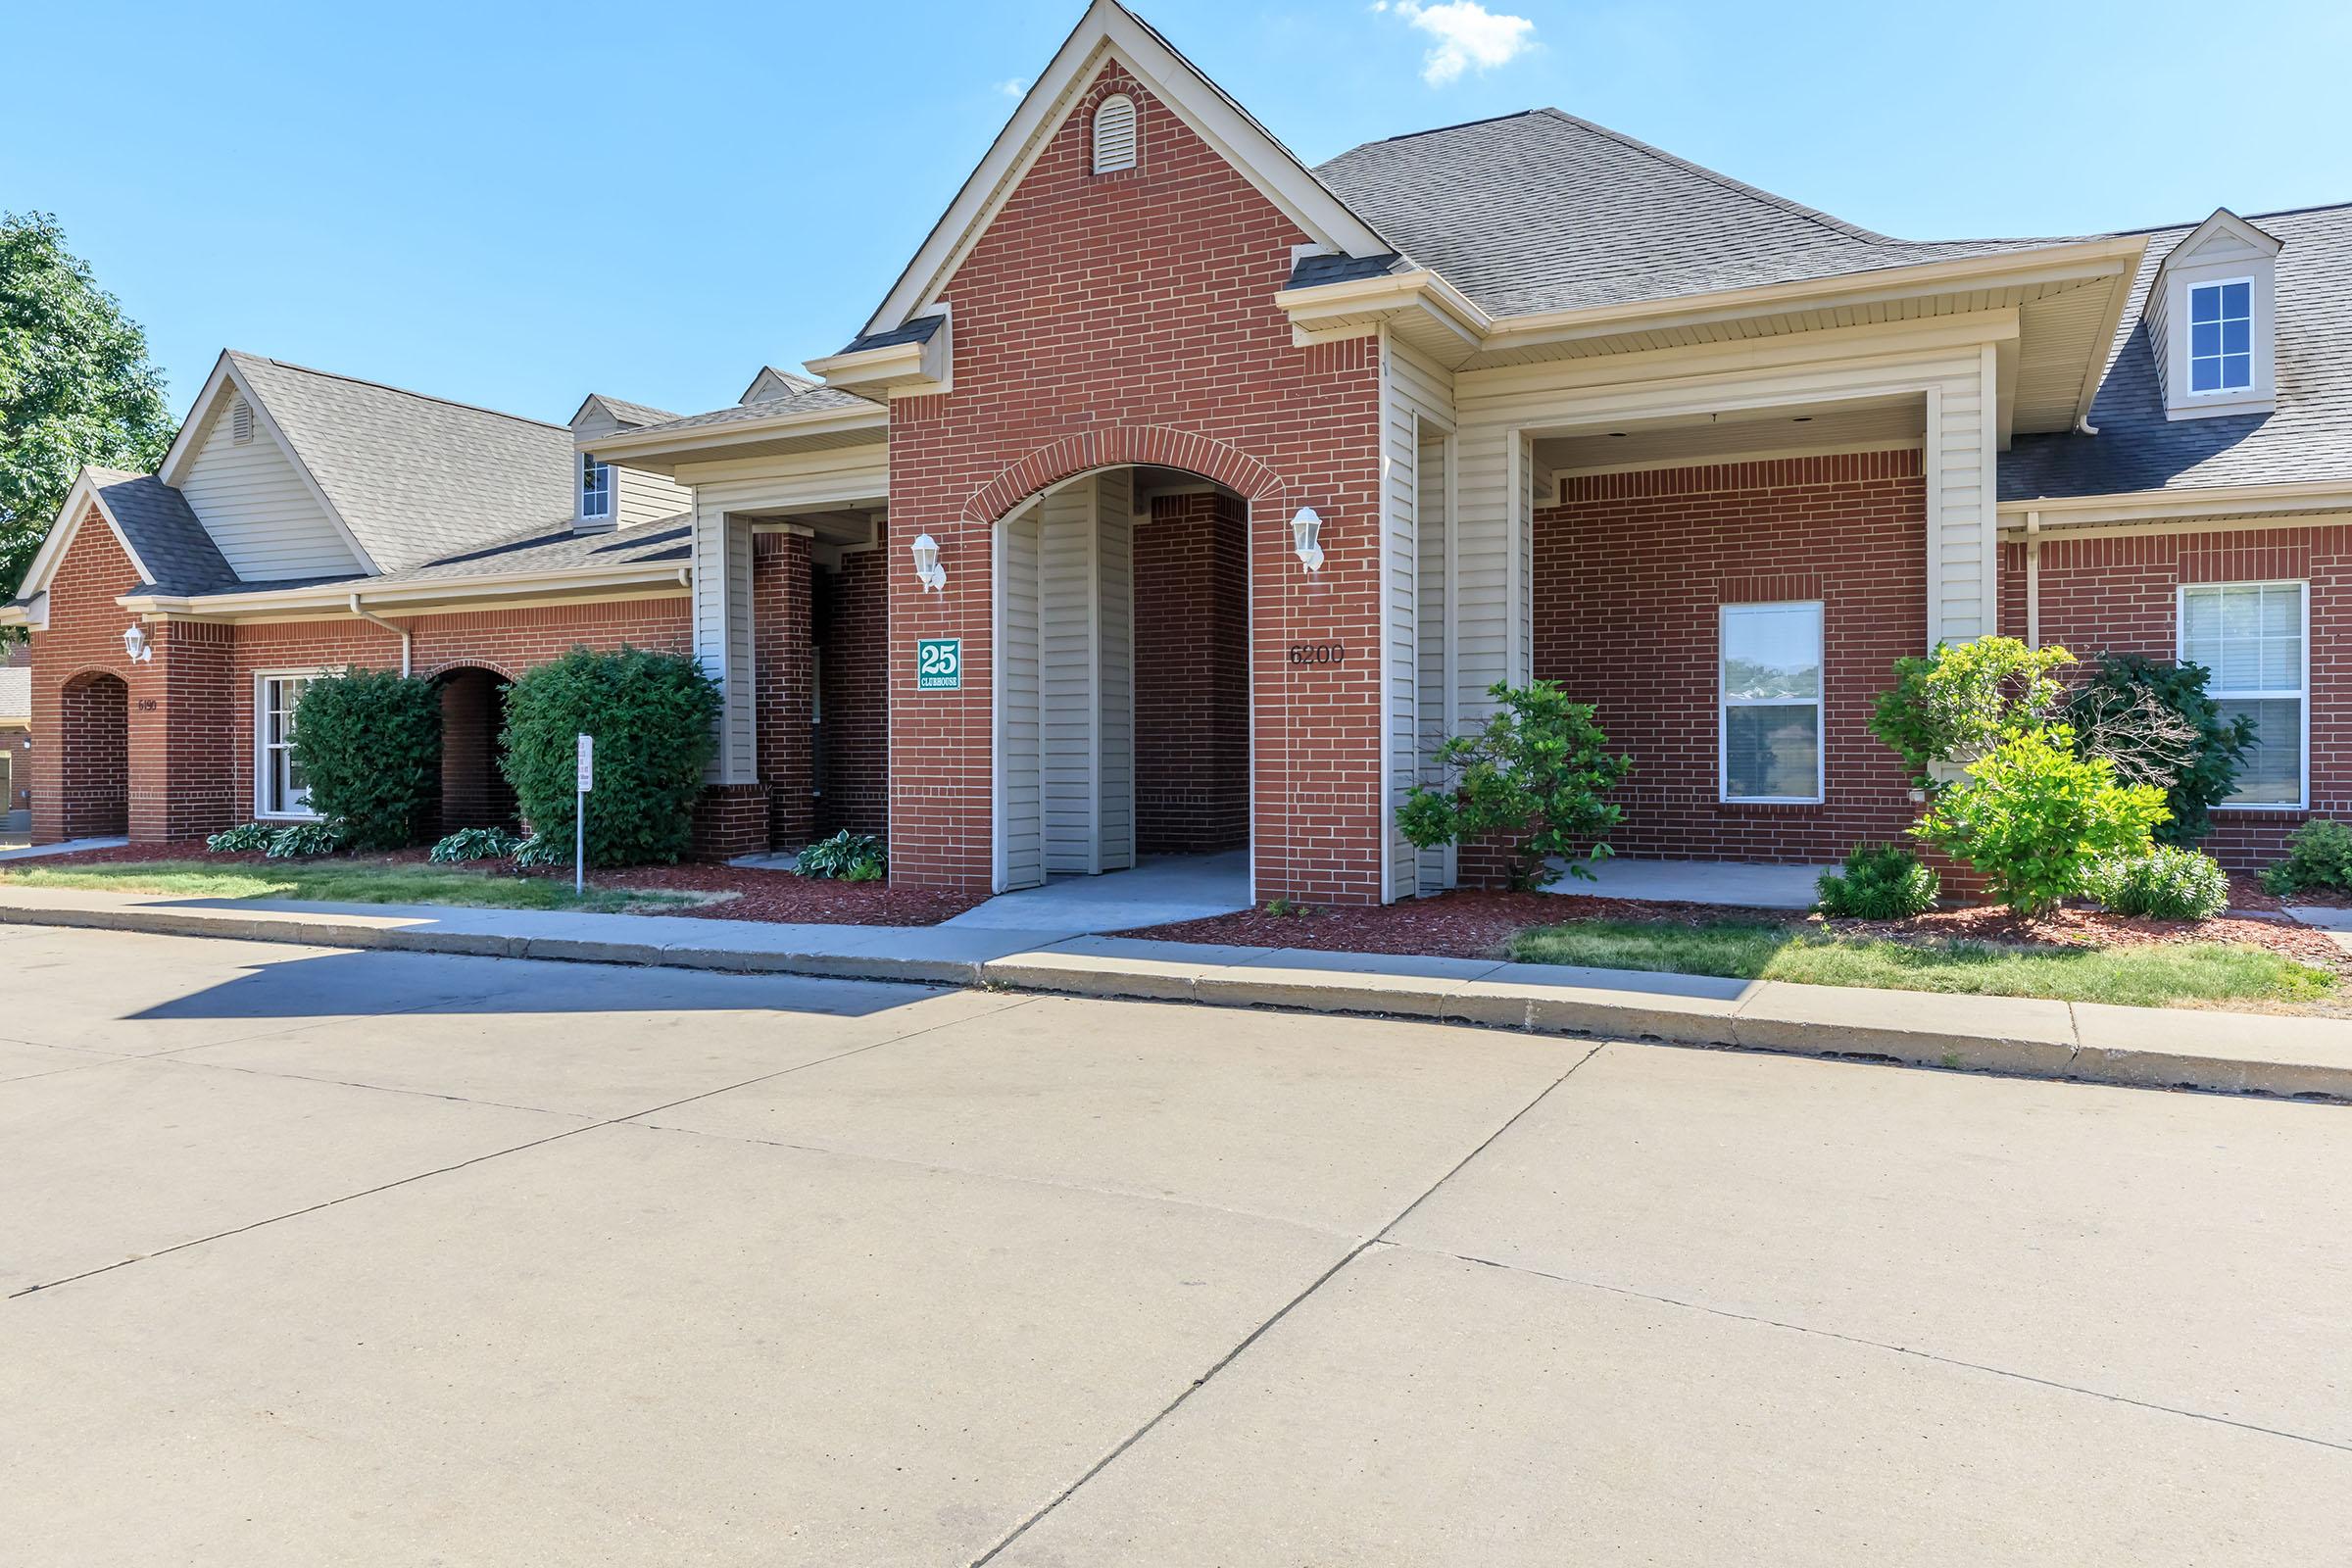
x,y
474,793
781,662
1630,576
851,615
1191,675
505,642
93,771
2121,595
1128,317
85,634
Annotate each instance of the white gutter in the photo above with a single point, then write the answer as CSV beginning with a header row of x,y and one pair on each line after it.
x,y
407,640
336,596
2158,506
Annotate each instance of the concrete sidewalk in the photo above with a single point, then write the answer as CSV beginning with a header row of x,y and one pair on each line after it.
x,y
2155,1048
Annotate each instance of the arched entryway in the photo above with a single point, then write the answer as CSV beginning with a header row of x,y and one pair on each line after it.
x,y
474,793
92,771
1122,701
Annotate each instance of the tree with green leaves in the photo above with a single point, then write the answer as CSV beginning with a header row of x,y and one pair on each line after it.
x,y
75,385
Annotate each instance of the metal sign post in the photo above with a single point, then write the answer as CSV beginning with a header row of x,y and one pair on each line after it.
x,y
579,817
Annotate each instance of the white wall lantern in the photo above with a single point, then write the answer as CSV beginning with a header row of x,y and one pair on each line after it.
x,y
927,570
1307,529
134,644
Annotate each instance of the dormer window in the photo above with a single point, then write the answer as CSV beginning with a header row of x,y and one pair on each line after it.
x,y
2221,336
596,489
2211,316
1115,134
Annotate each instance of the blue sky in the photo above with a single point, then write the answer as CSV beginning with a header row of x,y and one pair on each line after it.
x,y
516,206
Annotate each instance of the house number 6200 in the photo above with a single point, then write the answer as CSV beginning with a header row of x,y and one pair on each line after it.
x,y
1318,652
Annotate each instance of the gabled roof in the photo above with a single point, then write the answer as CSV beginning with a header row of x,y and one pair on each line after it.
x,y
807,397
622,410
1540,211
167,546
772,382
1109,30
2308,439
408,478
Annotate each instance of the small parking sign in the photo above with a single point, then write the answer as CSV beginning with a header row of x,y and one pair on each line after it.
x,y
939,663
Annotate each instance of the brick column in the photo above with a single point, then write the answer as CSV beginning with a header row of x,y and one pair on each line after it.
x,y
785,676
181,727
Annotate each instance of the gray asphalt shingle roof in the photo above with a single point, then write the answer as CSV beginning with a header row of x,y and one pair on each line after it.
x,y
1540,211
797,401
2310,435
163,531
628,413
416,478
668,542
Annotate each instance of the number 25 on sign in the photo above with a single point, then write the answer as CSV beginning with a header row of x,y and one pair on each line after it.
x,y
939,663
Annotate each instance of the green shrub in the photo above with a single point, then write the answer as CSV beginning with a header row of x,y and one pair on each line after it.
x,y
2033,816
302,841
1539,771
539,850
248,838
369,744
1963,699
651,716
2319,856
2167,883
1878,882
477,844
851,857
2153,720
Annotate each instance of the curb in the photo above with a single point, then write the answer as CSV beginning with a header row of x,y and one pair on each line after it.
x,y
2021,1037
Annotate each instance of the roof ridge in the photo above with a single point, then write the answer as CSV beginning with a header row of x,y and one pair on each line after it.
x,y
2251,217
1459,125
1728,183
385,386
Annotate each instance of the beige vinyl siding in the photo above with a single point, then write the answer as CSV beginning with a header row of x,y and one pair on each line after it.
x,y
1069,711
722,636
1434,604
258,510
1022,857
1417,399
642,497
830,476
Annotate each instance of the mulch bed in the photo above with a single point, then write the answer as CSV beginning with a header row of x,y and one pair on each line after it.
x,y
734,892
1480,925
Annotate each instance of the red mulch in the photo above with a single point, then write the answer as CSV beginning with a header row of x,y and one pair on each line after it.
x,y
756,894
1480,925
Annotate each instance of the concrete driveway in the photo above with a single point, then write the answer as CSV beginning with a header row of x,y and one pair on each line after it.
x,y
378,1259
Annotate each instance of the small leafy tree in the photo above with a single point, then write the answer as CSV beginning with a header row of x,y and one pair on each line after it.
x,y
651,716
1539,770
2035,817
369,743
2151,717
75,385
1965,699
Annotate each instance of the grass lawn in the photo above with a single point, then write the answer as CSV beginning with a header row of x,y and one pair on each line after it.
x,y
2143,976
340,881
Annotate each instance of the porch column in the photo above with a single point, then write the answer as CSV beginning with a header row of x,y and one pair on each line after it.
x,y
784,668
1963,443
731,818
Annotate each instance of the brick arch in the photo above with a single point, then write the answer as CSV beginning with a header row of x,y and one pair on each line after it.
x,y
451,666
90,771
1159,446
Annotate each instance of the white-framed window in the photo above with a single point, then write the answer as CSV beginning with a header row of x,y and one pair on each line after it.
x,y
2253,637
279,788
596,487
2221,336
1115,134
1770,714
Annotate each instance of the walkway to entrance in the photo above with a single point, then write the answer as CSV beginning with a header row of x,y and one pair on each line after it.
x,y
1159,891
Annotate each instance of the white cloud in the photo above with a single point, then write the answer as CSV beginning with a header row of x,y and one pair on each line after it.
x,y
1468,36
1013,86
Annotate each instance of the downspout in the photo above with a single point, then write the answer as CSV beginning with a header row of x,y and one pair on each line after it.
x,y
407,642
2033,579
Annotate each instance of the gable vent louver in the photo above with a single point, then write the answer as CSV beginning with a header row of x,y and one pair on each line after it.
x,y
240,421
1115,134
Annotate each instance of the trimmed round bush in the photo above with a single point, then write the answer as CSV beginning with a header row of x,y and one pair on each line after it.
x,y
369,744
2164,884
1878,882
651,716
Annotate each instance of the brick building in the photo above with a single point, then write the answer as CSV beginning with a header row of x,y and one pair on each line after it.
x,y
1178,497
